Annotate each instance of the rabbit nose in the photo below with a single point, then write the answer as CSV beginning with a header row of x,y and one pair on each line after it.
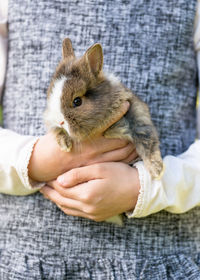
x,y
61,123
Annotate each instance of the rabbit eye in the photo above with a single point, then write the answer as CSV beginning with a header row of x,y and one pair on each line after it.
x,y
77,102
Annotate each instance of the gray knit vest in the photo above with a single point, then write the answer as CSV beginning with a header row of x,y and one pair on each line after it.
x,y
149,45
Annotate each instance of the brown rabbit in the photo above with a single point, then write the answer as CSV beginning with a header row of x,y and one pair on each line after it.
x,y
82,100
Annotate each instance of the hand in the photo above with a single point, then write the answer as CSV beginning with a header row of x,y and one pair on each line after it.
x,y
47,161
96,192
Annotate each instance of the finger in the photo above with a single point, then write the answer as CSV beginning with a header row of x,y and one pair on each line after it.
x,y
105,145
77,213
68,206
65,192
119,114
58,199
52,184
81,193
119,154
131,158
80,175
71,193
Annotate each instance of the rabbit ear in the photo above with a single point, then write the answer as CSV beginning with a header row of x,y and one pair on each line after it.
x,y
67,49
94,57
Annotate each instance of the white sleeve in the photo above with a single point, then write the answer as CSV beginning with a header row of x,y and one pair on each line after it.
x,y
15,152
177,191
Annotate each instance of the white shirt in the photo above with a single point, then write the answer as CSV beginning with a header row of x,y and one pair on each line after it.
x,y
177,191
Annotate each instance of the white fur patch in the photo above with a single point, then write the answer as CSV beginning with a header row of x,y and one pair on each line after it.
x,y
53,115
114,80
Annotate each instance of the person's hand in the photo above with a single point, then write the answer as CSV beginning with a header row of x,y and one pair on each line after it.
x,y
96,192
47,161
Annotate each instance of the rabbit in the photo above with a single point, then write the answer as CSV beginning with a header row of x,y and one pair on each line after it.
x,y
82,99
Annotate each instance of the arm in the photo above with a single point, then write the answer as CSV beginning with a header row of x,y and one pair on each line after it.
x,y
26,161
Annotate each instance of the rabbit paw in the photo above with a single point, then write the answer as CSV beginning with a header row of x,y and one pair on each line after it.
x,y
155,165
65,143
63,139
116,220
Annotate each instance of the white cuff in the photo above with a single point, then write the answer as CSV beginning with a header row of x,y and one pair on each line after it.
x,y
142,193
149,199
22,166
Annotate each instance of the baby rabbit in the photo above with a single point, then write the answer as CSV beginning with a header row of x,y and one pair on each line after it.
x,y
82,100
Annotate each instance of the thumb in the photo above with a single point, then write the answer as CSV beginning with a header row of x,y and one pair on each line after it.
x,y
118,115
79,175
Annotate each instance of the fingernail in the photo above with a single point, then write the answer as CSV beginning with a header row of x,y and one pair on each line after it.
x,y
61,180
127,104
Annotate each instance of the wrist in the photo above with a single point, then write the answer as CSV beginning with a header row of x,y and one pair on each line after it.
x,y
45,163
134,188
35,161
